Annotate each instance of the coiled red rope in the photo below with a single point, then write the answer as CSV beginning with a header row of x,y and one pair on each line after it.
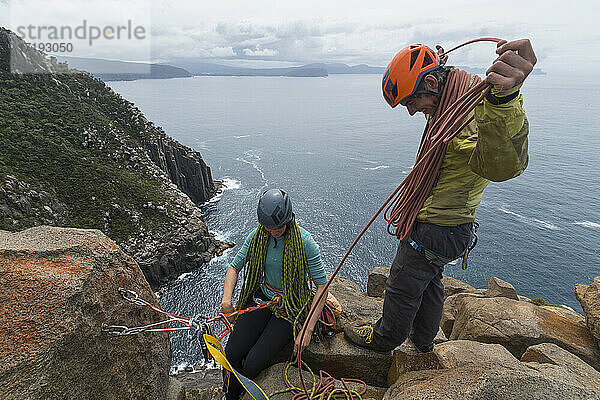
x,y
402,206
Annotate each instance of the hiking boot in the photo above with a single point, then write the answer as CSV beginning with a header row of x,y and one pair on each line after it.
x,y
424,348
362,336
421,348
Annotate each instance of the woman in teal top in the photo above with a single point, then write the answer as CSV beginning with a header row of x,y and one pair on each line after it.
x,y
278,257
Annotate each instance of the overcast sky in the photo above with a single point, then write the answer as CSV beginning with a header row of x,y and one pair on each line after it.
x,y
565,34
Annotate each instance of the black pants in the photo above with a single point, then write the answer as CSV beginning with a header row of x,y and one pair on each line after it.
x,y
256,339
414,294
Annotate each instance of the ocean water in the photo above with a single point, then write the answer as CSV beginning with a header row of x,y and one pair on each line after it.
x,y
336,147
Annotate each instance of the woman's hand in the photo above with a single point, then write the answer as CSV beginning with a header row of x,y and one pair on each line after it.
x,y
227,308
300,345
230,281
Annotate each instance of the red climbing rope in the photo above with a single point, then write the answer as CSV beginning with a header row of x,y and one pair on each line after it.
x,y
188,323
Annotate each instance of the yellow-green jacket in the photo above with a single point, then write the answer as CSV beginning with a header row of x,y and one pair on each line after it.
x,y
493,147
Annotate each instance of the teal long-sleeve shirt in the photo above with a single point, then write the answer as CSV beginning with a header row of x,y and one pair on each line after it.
x,y
273,261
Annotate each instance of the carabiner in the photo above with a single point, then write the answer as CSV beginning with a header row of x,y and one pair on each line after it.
x,y
130,296
115,330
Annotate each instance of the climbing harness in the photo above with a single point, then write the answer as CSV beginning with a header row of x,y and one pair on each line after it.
x,y
431,256
441,260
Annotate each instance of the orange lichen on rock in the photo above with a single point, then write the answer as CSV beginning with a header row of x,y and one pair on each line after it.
x,y
57,287
34,295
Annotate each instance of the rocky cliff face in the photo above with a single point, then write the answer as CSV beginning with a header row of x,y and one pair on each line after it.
x,y
74,153
184,166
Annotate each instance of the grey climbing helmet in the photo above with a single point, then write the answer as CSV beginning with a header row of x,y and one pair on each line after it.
x,y
274,208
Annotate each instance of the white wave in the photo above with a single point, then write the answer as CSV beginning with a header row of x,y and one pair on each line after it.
x,y
184,276
227,184
241,136
504,210
529,220
547,224
588,224
175,369
225,255
377,167
196,367
221,235
252,158
454,262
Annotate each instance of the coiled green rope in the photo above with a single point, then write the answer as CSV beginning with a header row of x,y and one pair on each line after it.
x,y
297,294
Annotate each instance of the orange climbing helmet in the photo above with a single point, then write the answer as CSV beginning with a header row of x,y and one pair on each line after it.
x,y
403,74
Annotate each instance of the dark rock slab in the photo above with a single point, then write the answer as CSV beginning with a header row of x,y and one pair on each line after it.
x,y
376,283
589,297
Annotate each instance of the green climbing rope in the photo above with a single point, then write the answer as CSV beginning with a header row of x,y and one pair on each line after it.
x,y
297,294
322,388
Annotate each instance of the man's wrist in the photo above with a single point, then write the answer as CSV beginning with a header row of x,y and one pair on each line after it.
x,y
498,100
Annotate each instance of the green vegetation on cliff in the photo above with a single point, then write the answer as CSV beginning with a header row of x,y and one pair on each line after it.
x,y
70,135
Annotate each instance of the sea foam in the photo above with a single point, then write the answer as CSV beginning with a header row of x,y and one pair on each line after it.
x,y
588,224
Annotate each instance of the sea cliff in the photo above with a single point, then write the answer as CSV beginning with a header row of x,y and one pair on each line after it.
x,y
74,153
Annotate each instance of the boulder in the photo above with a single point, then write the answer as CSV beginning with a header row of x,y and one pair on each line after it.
x,y
498,288
57,287
357,309
566,312
376,283
463,369
554,362
589,297
271,381
406,359
477,383
467,353
450,309
452,354
454,286
340,358
517,325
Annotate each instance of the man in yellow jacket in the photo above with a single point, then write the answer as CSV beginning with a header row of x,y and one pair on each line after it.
x,y
493,147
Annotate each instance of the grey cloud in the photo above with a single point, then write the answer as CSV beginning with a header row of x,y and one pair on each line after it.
x,y
317,40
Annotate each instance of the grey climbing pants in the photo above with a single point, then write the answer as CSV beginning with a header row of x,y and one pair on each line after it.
x,y
414,294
